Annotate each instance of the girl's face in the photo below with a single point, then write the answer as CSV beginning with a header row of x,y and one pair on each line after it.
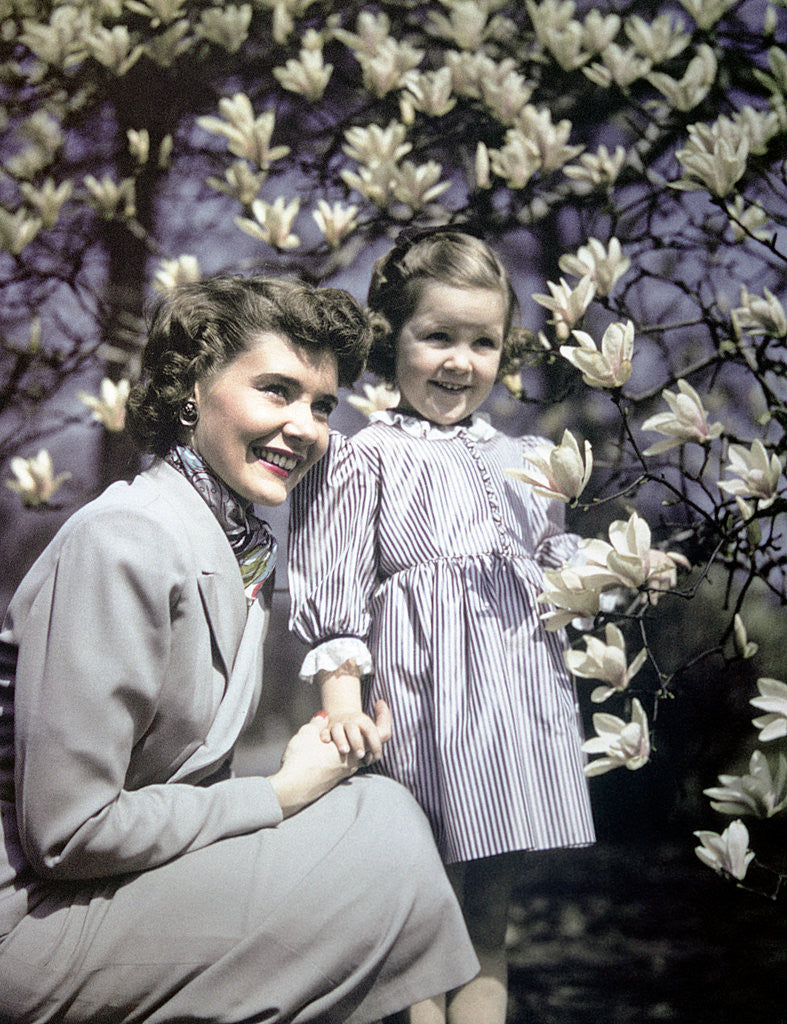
x,y
448,353
263,417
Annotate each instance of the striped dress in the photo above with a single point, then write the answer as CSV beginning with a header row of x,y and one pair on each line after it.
x,y
414,552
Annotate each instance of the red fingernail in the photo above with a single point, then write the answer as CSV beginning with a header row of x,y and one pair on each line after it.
x,y
321,714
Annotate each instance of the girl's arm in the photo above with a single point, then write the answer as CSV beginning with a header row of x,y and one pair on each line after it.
x,y
347,725
332,573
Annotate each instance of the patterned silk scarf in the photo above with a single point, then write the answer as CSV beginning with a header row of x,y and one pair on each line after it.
x,y
250,538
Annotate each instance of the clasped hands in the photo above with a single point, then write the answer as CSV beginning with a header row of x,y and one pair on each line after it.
x,y
322,753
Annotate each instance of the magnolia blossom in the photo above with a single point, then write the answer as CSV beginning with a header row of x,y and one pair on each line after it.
x,y
773,700
546,15
688,92
568,304
418,184
747,221
609,367
628,559
47,199
573,594
471,71
598,30
567,45
757,126
707,12
744,647
517,161
718,169
375,182
687,420
172,273
603,266
158,11
240,182
378,397
35,478
226,26
762,792
272,222
658,40
428,92
335,220
559,471
110,199
371,31
760,315
59,42
505,95
550,139
17,230
466,26
619,65
623,744
482,166
605,661
164,48
247,136
139,144
375,145
45,137
728,853
109,407
759,474
308,75
599,168
114,48
384,70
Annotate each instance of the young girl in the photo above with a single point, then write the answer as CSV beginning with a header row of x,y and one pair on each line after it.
x,y
415,566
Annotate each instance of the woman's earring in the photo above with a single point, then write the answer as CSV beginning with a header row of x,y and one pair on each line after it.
x,y
189,414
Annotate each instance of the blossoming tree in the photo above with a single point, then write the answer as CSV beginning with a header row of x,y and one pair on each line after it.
x,y
629,157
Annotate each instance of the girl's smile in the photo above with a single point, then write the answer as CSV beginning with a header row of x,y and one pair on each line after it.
x,y
263,418
448,353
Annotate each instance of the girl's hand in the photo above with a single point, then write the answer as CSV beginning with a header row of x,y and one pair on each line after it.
x,y
354,732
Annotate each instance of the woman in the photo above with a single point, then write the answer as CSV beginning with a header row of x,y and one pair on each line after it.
x,y
139,880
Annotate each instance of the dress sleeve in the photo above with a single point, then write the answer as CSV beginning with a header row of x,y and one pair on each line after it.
x,y
553,544
93,667
333,558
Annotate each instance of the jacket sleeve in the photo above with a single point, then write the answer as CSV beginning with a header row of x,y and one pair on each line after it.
x,y
333,557
94,662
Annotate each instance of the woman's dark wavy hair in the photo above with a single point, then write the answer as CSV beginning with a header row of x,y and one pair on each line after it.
x,y
196,329
451,257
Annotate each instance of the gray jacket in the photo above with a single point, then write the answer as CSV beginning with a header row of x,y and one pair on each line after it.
x,y
138,667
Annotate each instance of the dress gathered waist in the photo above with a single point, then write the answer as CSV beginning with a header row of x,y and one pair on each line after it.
x,y
523,564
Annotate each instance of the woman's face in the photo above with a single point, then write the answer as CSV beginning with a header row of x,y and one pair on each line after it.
x,y
263,417
448,353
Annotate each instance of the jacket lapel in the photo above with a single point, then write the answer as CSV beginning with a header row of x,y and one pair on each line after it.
x,y
220,584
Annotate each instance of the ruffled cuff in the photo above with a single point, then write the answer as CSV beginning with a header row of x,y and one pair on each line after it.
x,y
333,653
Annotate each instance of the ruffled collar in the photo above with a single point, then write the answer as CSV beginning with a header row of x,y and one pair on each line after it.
x,y
479,428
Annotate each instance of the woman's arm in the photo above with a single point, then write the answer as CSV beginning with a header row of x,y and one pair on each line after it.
x,y
96,664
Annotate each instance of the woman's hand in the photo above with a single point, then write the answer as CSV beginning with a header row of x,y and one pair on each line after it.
x,y
310,767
